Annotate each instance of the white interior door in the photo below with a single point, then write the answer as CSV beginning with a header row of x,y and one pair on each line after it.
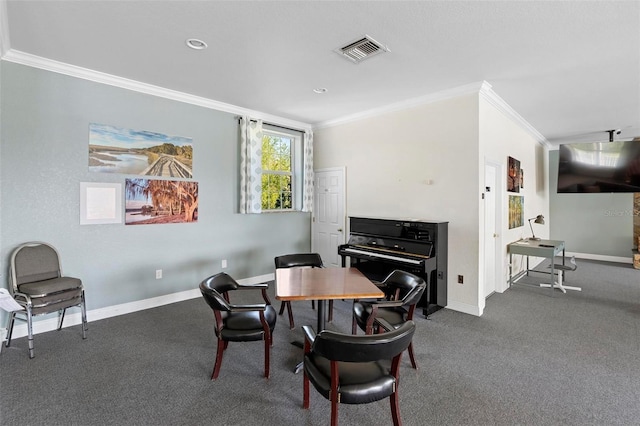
x,y
490,229
328,219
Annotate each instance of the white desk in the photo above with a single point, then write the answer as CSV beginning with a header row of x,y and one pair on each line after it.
x,y
541,248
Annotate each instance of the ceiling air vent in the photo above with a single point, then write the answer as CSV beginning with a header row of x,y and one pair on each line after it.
x,y
361,49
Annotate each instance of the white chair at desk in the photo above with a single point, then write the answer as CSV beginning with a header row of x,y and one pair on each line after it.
x,y
562,269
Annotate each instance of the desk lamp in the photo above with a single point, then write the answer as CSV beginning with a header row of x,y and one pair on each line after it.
x,y
538,219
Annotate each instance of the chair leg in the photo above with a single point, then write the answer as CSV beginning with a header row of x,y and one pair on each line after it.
x,y
287,304
334,410
12,319
395,408
412,357
83,308
290,312
330,311
305,391
222,345
30,331
267,350
61,318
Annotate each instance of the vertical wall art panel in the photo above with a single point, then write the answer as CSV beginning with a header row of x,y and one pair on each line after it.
x,y
513,175
516,211
152,201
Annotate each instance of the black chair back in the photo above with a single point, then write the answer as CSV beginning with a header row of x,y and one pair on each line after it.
x,y
374,347
298,259
213,289
411,287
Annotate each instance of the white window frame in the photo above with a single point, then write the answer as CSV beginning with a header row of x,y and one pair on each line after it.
x,y
296,165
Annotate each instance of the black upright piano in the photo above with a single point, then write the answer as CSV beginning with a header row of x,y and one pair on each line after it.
x,y
378,246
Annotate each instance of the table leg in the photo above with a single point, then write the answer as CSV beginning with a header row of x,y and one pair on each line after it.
x,y
321,320
319,327
510,269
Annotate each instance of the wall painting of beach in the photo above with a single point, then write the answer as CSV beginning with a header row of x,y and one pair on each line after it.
x,y
153,201
139,152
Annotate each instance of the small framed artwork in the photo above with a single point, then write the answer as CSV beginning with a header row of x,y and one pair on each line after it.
x,y
513,175
100,203
516,211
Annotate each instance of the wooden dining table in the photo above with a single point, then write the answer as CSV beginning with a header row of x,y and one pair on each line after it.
x,y
322,284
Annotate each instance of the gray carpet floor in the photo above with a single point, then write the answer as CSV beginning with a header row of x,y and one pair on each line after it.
x,y
533,358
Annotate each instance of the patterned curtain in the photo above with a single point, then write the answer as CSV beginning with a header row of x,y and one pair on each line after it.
x,y
250,165
307,197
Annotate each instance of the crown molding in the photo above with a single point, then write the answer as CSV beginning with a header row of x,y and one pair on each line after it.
x,y
487,93
483,88
406,104
4,28
34,61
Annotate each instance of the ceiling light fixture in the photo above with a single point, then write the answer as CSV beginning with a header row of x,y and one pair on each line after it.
x,y
320,90
196,44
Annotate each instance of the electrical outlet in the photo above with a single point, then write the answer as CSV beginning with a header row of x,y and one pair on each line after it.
x,y
460,279
158,274
224,263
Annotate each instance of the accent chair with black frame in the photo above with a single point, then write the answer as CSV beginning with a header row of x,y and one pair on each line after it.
x,y
238,322
403,291
36,282
297,260
350,369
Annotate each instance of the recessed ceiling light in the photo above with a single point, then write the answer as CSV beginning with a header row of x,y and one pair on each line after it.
x,y
194,43
320,90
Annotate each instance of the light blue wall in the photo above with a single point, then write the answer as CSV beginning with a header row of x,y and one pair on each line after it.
x,y
44,145
594,224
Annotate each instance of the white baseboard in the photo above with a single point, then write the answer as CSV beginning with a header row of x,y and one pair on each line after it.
x,y
75,318
463,307
603,258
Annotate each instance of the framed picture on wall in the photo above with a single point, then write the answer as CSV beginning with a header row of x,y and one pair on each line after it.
x,y
516,211
156,201
139,152
513,175
100,203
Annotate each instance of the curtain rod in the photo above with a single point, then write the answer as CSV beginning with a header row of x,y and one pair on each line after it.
x,y
276,125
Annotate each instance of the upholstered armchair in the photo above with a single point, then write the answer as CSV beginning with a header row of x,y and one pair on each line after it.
x,y
238,322
350,369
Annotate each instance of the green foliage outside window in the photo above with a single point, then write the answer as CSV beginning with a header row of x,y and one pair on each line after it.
x,y
276,172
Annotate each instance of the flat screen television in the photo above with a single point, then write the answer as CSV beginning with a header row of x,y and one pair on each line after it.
x,y
599,167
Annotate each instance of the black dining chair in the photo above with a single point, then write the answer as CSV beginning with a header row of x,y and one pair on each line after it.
x,y
350,369
403,291
238,322
299,260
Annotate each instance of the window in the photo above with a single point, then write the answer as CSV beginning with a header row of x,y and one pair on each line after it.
x,y
281,167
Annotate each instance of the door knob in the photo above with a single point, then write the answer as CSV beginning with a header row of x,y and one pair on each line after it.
x,y
339,229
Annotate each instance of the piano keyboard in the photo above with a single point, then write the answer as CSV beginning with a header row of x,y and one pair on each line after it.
x,y
383,256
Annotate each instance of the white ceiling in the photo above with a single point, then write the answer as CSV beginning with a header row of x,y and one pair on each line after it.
x,y
571,69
